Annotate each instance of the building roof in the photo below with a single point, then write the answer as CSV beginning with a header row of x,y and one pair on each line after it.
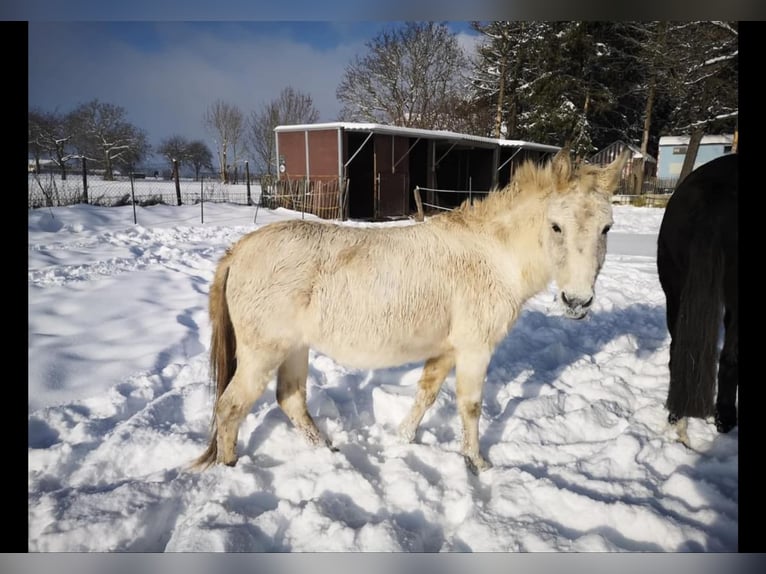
x,y
417,132
708,139
635,150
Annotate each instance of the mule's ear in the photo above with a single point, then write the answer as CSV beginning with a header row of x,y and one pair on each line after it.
x,y
609,178
561,165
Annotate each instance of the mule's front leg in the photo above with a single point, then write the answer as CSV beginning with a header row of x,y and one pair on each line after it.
x,y
471,369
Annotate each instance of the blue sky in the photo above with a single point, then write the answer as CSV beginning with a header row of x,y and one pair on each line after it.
x,y
165,74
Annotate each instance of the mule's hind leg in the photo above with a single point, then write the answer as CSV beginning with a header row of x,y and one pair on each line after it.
x,y
471,368
435,371
291,395
728,375
250,379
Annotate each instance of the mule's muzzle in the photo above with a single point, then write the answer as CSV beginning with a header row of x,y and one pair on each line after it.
x,y
576,307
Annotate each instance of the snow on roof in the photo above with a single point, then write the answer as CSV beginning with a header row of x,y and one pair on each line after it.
x,y
637,153
635,150
709,139
417,132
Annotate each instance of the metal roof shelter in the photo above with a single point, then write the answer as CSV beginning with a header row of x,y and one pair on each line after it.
x,y
375,167
632,172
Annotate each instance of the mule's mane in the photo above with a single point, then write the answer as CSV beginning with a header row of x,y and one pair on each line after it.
x,y
530,180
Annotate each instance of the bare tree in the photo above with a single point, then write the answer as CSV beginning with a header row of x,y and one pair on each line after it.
x,y
410,77
199,156
50,134
226,123
174,148
291,107
101,133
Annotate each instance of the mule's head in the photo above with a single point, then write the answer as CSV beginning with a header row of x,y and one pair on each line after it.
x,y
577,219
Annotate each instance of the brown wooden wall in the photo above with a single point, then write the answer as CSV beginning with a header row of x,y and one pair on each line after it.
x,y
292,145
323,152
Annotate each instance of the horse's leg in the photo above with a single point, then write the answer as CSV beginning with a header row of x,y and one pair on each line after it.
x,y
254,370
671,280
435,371
672,289
728,375
470,370
682,425
291,395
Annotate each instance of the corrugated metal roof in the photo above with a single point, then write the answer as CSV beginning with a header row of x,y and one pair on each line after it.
x,y
636,151
709,139
417,132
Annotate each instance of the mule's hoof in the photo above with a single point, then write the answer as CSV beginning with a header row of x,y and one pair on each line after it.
x,y
332,447
407,434
673,418
231,463
477,465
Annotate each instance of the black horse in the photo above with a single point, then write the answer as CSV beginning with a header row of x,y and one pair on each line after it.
x,y
697,267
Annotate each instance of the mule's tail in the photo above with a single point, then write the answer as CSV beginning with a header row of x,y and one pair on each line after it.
x,y
223,346
694,347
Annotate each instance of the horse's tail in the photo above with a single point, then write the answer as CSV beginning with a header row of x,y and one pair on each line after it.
x,y
694,349
223,347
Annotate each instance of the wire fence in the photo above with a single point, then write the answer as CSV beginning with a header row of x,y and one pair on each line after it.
x,y
439,195
51,190
319,196
656,193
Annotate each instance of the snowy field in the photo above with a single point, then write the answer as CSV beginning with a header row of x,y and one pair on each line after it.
x,y
573,417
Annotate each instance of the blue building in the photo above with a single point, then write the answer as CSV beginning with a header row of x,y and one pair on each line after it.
x,y
672,151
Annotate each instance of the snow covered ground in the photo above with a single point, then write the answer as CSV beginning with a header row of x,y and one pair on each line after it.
x,y
573,417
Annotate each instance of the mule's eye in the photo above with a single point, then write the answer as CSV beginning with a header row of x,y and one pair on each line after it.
x,y
556,228
606,229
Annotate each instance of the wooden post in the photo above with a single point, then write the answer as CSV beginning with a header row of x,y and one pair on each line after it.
x,y
247,181
84,181
419,203
344,207
133,198
178,183
201,205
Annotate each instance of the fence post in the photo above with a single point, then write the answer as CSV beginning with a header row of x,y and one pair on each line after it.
x,y
133,198
247,181
178,183
419,203
84,181
201,205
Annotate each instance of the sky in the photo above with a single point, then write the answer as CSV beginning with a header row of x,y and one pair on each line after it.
x,y
573,419
166,74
